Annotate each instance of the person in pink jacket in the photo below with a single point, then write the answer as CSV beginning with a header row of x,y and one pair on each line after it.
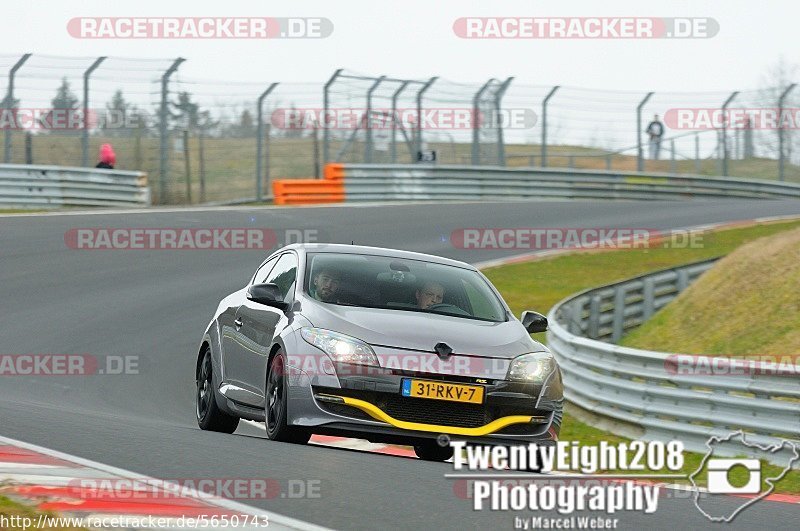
x,y
107,157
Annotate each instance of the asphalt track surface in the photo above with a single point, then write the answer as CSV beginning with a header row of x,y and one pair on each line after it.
x,y
154,304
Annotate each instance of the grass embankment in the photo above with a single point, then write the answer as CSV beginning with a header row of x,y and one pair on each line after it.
x,y
747,305
540,284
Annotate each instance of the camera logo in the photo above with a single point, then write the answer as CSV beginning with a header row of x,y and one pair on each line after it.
x,y
720,471
740,476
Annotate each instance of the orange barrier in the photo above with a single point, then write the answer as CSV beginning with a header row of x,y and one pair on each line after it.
x,y
329,189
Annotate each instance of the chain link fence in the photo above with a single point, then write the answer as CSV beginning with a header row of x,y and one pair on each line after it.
x,y
211,140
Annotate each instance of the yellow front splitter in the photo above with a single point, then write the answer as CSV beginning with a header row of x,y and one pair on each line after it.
x,y
378,414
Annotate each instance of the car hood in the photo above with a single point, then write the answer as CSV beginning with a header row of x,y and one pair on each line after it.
x,y
422,331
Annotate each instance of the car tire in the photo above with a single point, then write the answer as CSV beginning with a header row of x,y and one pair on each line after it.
x,y
276,404
209,416
432,451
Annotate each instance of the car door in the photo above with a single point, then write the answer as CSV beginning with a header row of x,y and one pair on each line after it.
x,y
235,346
259,324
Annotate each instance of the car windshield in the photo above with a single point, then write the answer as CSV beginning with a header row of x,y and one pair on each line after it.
x,y
401,284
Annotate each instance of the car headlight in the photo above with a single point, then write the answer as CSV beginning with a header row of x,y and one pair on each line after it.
x,y
531,367
339,347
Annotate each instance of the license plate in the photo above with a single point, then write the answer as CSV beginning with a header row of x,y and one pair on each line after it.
x,y
442,391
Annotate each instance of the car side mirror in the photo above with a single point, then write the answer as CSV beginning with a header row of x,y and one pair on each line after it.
x,y
267,294
534,322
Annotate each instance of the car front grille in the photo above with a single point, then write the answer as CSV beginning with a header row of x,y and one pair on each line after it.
x,y
424,411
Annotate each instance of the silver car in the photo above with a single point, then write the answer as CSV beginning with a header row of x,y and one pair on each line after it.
x,y
378,344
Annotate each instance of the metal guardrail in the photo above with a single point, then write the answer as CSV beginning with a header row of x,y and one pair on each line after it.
x,y
648,389
58,186
375,182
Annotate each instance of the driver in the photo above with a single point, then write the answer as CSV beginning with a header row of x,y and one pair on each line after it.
x,y
325,285
428,294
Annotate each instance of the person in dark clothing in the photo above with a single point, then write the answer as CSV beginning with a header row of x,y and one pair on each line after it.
x,y
107,157
656,130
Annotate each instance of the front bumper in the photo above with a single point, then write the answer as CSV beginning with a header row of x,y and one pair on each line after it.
x,y
371,406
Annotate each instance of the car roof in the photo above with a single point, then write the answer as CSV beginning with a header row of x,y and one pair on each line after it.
x,y
373,251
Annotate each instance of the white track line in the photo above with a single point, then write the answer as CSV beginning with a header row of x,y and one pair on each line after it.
x,y
275,520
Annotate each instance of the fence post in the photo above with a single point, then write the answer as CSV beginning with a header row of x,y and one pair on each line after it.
x,y
725,133
639,153
326,150
498,97
188,167
368,123
781,156
420,93
85,132
163,131
672,164
476,121
9,104
394,119
28,148
544,124
202,155
317,172
697,152
260,141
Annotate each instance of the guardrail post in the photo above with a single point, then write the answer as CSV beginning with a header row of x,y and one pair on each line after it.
x,y
394,119
608,161
498,97
368,124
85,132
544,124
683,280
648,298
476,122
781,154
326,150
619,314
576,317
8,103
639,152
163,131
420,93
594,317
725,133
260,142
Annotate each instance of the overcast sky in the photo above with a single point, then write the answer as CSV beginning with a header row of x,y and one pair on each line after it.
x,y
413,38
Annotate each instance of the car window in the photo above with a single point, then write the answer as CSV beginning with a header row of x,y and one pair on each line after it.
x,y
284,275
401,284
263,271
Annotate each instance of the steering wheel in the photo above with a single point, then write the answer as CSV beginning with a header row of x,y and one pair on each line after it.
x,y
449,308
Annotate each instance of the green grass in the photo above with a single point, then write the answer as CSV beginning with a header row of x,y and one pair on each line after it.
x,y
12,509
538,285
747,305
